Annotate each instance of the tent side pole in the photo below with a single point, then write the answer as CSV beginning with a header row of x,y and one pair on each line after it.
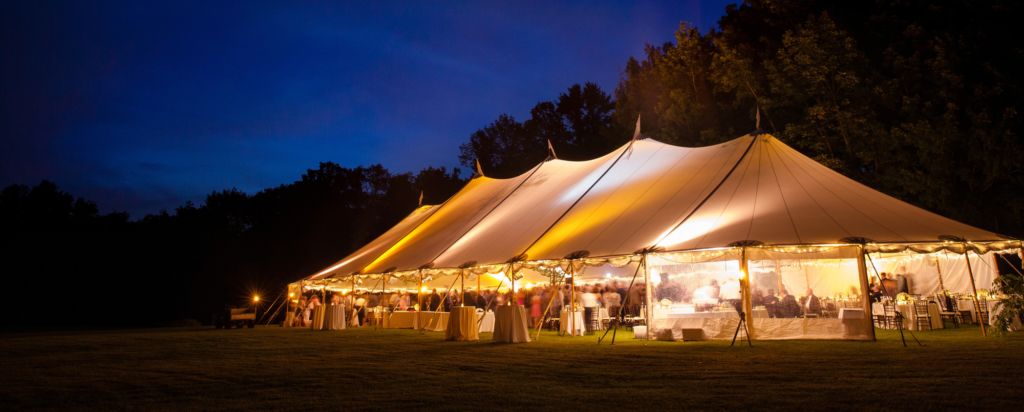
x,y
865,298
648,291
419,300
939,271
977,309
572,299
748,310
778,276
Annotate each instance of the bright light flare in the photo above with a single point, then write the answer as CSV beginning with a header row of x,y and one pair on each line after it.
x,y
255,298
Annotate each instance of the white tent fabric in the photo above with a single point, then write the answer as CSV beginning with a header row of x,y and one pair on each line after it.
x,y
923,277
652,194
365,255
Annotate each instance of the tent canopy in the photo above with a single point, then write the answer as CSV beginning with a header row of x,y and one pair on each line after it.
x,y
650,194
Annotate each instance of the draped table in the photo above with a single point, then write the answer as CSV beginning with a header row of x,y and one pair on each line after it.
x,y
334,317
564,322
990,304
910,315
462,324
318,318
487,322
510,324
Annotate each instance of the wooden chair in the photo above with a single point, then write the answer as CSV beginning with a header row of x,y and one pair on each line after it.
x,y
891,320
945,313
982,312
830,310
963,313
922,315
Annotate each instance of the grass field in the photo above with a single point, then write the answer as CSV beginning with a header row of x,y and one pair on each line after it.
x,y
298,369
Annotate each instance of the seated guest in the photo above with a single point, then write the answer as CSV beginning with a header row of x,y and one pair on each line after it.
x,y
876,293
771,304
789,307
756,298
811,304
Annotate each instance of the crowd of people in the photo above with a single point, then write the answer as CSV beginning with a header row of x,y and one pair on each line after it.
x,y
538,299
589,298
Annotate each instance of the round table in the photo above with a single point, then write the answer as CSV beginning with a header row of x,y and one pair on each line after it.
x,y
510,324
334,317
462,324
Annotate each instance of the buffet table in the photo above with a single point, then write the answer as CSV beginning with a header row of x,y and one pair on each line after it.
x,y
462,324
402,320
510,324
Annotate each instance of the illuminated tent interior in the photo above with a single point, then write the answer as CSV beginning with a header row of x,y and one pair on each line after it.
x,y
686,217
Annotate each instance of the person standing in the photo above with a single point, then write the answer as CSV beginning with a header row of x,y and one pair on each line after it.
x,y
730,292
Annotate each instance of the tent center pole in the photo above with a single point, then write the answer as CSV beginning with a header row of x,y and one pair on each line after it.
x,y
977,308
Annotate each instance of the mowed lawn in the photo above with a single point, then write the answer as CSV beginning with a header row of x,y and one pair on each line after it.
x,y
365,369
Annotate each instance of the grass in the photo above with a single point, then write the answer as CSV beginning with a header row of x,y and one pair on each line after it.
x,y
362,369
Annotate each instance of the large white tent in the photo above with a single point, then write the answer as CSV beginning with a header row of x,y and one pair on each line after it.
x,y
753,201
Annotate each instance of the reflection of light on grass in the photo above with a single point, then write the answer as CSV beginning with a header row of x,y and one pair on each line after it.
x,y
689,230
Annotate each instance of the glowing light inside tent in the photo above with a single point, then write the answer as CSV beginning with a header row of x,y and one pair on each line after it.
x,y
689,230
255,298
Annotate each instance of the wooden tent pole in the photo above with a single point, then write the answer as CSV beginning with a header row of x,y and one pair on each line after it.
x,y
778,275
938,269
554,289
648,293
977,309
865,297
462,284
572,298
419,299
746,304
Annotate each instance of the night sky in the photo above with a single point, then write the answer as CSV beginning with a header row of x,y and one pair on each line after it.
x,y
142,106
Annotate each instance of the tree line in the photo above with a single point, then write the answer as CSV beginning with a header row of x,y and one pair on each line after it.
x,y
917,99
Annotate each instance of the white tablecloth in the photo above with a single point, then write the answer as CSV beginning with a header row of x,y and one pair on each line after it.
x,y
402,320
990,304
317,322
910,315
334,317
487,322
564,323
462,324
728,314
433,321
759,313
848,313
510,324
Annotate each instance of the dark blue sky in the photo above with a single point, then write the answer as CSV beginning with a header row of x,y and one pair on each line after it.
x,y
142,106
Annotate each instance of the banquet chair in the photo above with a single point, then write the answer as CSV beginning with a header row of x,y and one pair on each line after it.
x,y
891,320
982,312
922,315
946,313
830,310
963,313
